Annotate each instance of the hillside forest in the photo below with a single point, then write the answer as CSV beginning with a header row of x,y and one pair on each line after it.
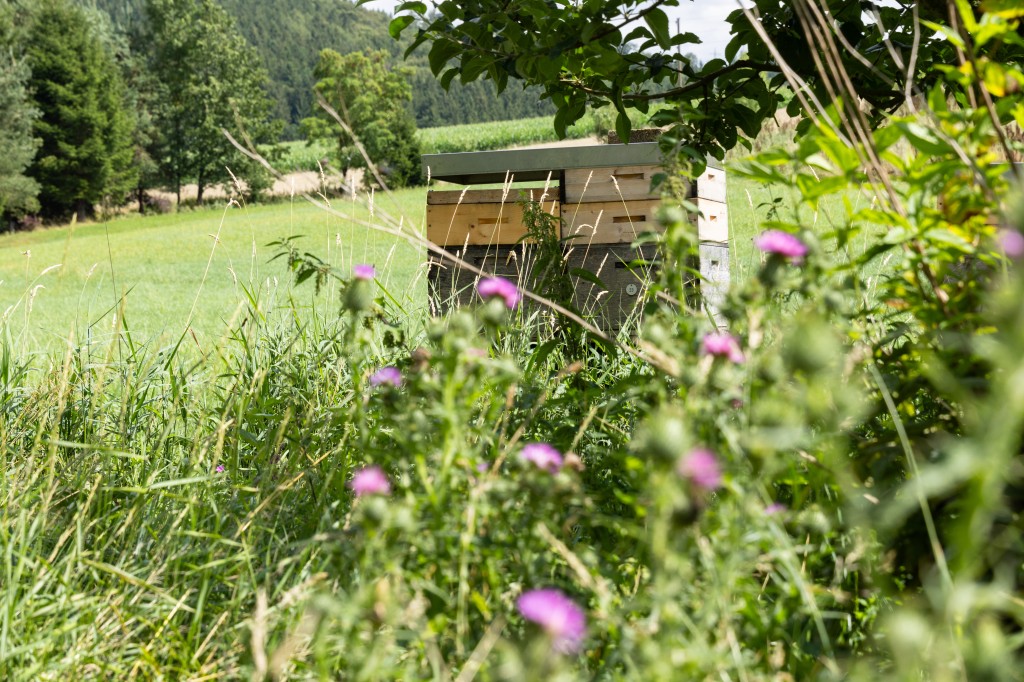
x,y
140,98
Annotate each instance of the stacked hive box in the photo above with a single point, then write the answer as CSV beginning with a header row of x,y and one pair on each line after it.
x,y
603,206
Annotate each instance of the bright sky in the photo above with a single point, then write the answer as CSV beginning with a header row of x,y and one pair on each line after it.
x,y
706,18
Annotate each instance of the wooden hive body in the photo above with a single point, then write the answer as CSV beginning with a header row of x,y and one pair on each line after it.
x,y
604,203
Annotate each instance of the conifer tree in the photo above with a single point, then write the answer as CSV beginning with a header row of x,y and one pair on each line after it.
x,y
85,155
17,146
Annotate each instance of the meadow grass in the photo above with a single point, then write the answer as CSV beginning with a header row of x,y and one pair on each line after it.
x,y
207,262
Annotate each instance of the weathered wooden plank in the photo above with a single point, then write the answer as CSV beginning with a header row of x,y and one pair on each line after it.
x,y
618,183
609,222
477,224
451,286
474,168
490,196
625,274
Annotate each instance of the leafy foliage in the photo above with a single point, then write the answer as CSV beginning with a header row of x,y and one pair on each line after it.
x,y
290,39
209,80
834,492
624,53
372,99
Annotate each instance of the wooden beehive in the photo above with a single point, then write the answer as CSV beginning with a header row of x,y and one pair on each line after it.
x,y
605,203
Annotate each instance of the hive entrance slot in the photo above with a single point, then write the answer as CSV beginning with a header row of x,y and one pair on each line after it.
x,y
493,221
632,265
629,219
628,176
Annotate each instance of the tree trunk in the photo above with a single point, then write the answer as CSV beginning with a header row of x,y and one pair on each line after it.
x,y
200,181
83,209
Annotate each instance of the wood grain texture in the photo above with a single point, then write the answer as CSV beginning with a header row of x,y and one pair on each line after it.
x,y
609,222
477,224
625,272
625,183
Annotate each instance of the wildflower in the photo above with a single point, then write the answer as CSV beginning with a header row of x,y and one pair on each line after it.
x,y
774,508
364,272
781,243
370,480
491,287
560,617
386,376
1012,242
701,467
720,344
543,455
483,467
219,469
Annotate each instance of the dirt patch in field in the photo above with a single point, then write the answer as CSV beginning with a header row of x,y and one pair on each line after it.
x,y
291,184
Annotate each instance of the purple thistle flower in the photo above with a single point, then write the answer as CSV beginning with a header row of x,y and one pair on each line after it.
x,y
701,467
490,287
386,376
543,455
370,480
364,272
720,344
1012,242
219,469
781,243
560,617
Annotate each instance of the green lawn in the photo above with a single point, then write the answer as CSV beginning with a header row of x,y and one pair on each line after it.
x,y
199,262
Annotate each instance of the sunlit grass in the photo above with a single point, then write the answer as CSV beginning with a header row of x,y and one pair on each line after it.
x,y
193,269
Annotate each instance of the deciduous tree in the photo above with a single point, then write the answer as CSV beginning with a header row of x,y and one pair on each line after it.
x,y
373,98
624,52
209,79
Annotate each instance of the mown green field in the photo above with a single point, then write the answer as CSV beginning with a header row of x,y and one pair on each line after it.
x,y
193,269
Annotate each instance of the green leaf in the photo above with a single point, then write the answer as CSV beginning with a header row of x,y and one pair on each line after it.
x,y
561,120
686,39
588,276
446,78
948,33
398,24
923,139
623,126
657,20
440,52
542,353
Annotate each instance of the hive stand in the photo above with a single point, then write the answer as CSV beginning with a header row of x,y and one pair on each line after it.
x,y
602,195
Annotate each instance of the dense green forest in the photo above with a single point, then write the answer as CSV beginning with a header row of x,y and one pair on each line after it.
x,y
289,38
